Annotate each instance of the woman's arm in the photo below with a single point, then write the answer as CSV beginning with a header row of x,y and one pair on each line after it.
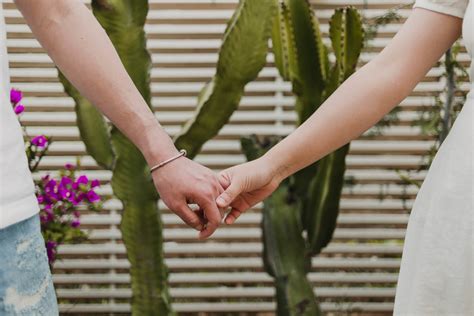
x,y
82,50
359,103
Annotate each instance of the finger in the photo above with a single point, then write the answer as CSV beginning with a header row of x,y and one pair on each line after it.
x,y
189,216
231,192
213,216
232,216
224,179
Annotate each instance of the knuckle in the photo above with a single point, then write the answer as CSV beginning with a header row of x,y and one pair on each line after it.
x,y
207,192
193,221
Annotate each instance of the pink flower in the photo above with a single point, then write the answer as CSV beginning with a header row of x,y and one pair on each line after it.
x,y
69,166
40,199
39,141
92,196
51,250
81,180
95,183
15,96
20,108
65,181
75,223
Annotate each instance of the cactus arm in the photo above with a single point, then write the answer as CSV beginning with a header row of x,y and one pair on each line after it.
x,y
347,38
285,255
308,80
241,57
322,49
145,233
295,296
283,43
322,209
92,127
124,23
354,40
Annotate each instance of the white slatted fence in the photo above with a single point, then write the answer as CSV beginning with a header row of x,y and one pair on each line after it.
x,y
357,273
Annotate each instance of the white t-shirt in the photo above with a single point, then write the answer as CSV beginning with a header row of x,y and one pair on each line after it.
x,y
17,193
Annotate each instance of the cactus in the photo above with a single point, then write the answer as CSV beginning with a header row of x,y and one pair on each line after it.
x,y
141,226
242,55
299,218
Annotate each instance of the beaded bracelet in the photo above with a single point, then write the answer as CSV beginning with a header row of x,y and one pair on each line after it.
x,y
182,153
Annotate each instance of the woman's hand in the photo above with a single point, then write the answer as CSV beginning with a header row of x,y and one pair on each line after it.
x,y
246,185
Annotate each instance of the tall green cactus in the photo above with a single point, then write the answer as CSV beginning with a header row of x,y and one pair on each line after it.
x,y
300,217
141,225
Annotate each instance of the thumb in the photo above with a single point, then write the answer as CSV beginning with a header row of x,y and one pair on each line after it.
x,y
232,191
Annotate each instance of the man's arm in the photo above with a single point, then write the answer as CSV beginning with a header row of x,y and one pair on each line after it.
x,y
82,50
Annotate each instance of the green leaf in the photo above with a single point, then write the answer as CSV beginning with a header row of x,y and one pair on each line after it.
x,y
241,57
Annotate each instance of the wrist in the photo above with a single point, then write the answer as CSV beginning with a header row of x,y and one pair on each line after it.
x,y
151,139
158,150
278,170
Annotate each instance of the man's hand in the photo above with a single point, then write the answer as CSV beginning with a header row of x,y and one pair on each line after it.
x,y
245,186
184,181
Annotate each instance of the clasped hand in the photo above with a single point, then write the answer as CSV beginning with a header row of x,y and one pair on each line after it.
x,y
185,182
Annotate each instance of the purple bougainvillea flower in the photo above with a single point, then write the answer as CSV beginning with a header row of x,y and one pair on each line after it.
x,y
64,193
40,199
43,218
81,197
69,166
39,141
50,185
65,182
75,223
51,250
15,96
95,183
20,108
82,180
92,196
73,200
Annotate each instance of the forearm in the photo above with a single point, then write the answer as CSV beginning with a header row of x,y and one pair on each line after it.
x,y
83,52
359,103
369,94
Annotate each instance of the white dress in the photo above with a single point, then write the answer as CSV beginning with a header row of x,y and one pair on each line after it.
x,y
437,269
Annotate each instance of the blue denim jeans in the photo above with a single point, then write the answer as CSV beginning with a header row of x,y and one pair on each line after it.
x,y
26,287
